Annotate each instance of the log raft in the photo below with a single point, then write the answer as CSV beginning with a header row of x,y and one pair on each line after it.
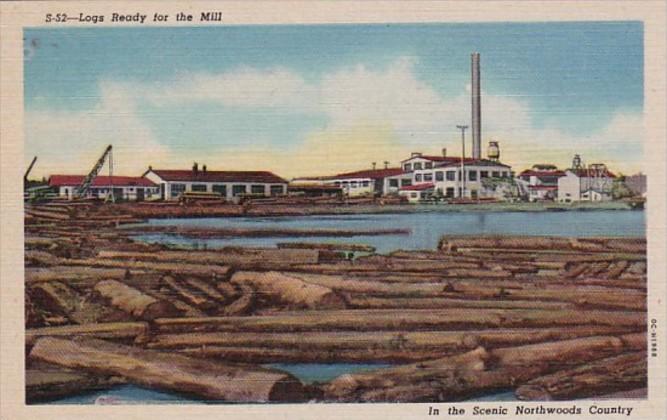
x,y
551,318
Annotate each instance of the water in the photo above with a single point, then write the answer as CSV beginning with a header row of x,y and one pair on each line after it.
x,y
323,372
426,228
125,394
131,394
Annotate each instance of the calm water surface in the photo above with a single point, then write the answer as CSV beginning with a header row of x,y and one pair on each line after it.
x,y
426,228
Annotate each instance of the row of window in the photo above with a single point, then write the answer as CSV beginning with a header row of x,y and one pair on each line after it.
x,y
472,175
178,189
404,182
417,166
352,184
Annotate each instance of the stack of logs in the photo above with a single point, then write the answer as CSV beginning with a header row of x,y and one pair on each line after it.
x,y
550,318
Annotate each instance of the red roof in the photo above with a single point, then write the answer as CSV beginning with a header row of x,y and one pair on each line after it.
x,y
176,175
418,187
532,172
369,173
100,181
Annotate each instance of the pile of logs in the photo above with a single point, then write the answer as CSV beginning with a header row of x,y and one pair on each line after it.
x,y
551,318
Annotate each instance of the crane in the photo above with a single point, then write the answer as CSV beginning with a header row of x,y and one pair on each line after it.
x,y
27,172
88,180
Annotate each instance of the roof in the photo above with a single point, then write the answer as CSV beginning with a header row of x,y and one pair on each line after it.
x,y
585,173
543,187
188,175
532,172
418,187
435,158
100,181
473,162
369,173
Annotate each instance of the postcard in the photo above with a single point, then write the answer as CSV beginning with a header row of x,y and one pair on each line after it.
x,y
333,210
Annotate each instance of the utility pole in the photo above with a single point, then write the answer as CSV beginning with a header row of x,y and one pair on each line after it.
x,y
462,178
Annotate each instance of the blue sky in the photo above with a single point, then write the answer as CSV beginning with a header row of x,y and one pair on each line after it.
x,y
300,99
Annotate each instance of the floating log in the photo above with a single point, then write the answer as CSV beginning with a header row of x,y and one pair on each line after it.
x,y
244,258
43,214
108,330
244,304
168,267
454,243
186,294
613,374
171,372
412,319
133,301
458,377
290,290
326,246
75,274
369,302
206,289
51,383
211,233
348,346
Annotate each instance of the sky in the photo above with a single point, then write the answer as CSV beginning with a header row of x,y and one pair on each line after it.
x,y
304,100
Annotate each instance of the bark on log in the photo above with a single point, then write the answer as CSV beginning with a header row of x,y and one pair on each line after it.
x,y
109,330
205,379
290,290
410,319
366,302
243,305
451,379
43,384
74,274
613,374
326,246
396,346
243,258
186,294
166,267
134,301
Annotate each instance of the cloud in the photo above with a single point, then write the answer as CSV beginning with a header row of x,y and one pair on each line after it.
x,y
371,115
72,141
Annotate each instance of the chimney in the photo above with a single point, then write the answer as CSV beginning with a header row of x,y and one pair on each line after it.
x,y
150,168
195,168
476,106
374,165
444,152
203,168
386,164
415,154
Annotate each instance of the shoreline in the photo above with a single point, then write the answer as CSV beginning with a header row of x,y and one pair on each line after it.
x,y
203,210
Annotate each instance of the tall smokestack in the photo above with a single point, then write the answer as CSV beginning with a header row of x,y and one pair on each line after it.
x,y
476,107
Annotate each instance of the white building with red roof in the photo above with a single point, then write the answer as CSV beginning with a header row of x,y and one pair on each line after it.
x,y
444,174
368,182
593,183
123,187
231,185
541,182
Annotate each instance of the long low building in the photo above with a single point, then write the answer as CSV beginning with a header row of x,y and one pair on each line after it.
x,y
231,185
368,182
122,187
